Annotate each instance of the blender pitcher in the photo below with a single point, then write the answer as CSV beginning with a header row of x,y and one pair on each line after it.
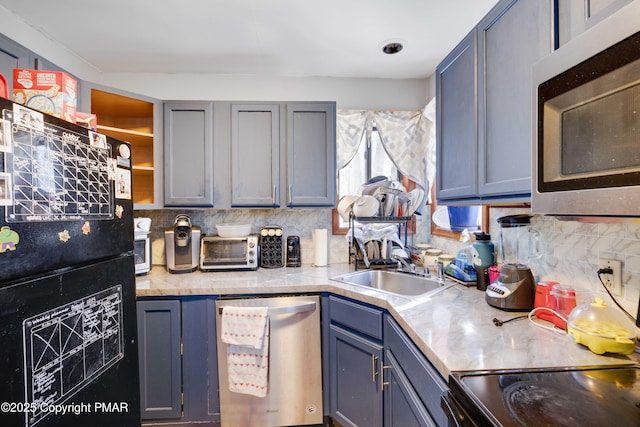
x,y
518,242
515,288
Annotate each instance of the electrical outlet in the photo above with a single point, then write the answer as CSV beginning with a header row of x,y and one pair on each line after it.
x,y
613,282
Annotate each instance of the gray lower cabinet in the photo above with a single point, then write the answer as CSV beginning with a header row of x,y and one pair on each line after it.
x,y
414,382
354,363
484,91
159,351
188,154
283,154
577,16
377,376
178,361
402,406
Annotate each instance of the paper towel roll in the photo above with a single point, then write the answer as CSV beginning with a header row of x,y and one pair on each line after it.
x,y
320,247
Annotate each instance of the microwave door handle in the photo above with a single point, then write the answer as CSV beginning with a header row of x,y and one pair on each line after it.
x,y
289,309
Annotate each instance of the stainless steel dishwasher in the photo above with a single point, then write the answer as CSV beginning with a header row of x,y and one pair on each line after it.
x,y
294,394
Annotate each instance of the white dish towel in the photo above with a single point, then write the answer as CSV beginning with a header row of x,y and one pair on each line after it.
x,y
245,330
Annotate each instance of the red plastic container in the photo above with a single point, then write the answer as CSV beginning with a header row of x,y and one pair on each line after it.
x,y
4,87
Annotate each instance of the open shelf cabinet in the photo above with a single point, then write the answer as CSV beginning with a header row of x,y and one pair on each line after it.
x,y
131,120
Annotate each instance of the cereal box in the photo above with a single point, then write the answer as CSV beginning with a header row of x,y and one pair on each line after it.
x,y
51,92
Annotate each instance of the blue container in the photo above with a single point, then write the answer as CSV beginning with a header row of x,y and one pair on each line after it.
x,y
461,217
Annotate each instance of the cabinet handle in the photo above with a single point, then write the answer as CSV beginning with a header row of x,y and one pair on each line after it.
x,y
382,381
289,197
374,372
273,195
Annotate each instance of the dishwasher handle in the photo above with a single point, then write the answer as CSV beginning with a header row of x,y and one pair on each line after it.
x,y
288,309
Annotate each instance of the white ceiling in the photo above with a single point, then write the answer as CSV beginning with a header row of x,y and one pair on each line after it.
x,y
331,38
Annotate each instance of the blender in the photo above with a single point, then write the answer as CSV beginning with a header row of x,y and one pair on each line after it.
x,y
515,289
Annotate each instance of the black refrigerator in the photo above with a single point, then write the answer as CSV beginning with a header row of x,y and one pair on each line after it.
x,y
68,350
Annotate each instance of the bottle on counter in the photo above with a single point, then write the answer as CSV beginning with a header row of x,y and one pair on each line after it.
x,y
486,258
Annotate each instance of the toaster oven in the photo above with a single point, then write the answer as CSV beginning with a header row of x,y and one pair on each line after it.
x,y
229,253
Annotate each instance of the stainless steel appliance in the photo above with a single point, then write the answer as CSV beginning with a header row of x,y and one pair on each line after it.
x,y
572,396
229,253
67,275
586,124
515,288
142,245
294,394
181,245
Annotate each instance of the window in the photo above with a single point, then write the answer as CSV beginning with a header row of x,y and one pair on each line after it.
x,y
370,160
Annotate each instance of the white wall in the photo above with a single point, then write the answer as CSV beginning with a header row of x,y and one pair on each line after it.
x,y
354,93
409,94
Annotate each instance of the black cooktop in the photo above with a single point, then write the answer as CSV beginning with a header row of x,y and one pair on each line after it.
x,y
594,396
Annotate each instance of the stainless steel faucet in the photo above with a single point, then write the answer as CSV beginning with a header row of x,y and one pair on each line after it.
x,y
440,266
404,265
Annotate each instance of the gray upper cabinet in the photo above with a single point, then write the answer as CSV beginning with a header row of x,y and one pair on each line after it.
x,y
456,121
188,154
255,155
12,55
577,16
311,154
511,38
283,154
484,134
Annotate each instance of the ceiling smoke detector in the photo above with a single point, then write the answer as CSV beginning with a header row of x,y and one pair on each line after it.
x,y
392,48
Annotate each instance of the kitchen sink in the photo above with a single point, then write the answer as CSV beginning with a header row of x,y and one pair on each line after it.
x,y
393,282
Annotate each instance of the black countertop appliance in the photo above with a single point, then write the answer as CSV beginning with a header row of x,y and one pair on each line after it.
x,y
294,257
572,396
67,275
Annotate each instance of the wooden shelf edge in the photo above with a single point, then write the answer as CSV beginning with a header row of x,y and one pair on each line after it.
x,y
142,168
125,131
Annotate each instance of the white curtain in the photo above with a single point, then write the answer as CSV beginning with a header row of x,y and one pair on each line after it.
x,y
351,124
408,137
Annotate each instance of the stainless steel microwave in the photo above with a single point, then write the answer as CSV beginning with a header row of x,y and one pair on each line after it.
x,y
229,253
586,159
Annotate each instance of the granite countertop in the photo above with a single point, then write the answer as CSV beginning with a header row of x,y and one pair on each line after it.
x,y
454,328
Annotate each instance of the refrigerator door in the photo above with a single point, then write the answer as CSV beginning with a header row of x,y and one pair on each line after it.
x,y
294,394
65,194
68,343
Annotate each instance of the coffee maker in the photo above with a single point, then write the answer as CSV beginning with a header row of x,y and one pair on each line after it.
x,y
182,245
294,258
515,289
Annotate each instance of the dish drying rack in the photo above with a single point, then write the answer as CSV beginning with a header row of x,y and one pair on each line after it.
x,y
357,249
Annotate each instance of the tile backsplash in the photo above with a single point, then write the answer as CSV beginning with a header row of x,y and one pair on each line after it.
x,y
570,250
294,222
